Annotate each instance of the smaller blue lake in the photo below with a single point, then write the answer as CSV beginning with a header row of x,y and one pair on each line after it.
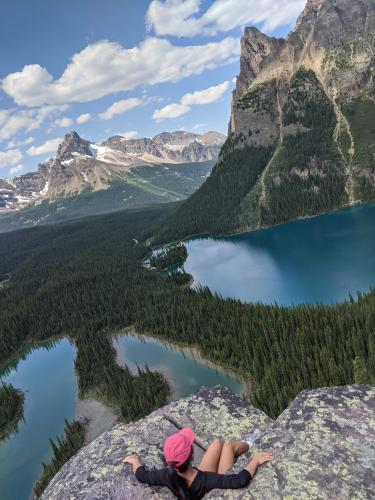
x,y
322,259
184,368
46,375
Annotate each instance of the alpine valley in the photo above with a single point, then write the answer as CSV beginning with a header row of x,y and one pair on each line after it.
x,y
301,136
113,296
85,178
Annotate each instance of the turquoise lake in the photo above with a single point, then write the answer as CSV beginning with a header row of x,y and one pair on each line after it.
x,y
184,368
322,259
46,375
314,260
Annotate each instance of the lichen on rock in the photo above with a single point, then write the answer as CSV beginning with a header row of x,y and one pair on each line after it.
x,y
324,447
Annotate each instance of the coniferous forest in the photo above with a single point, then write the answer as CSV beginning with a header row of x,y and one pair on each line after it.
x,y
11,409
63,449
86,280
172,256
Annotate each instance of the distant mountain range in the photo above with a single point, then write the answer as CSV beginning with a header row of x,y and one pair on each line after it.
x,y
83,166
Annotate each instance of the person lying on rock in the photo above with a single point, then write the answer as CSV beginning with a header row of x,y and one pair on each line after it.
x,y
188,482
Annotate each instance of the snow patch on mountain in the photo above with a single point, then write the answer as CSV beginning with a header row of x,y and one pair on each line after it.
x,y
79,164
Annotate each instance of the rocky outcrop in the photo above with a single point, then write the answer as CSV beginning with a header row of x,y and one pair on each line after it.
x,y
72,143
133,146
20,191
305,103
324,447
174,147
81,165
334,38
331,52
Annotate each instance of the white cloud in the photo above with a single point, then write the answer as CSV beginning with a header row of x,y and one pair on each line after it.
x,y
198,126
16,170
13,121
119,107
131,134
10,157
106,67
49,146
85,117
63,122
198,97
182,18
16,144
162,15
170,111
206,96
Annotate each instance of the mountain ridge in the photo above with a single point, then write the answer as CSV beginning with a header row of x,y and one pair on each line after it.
x,y
301,138
80,165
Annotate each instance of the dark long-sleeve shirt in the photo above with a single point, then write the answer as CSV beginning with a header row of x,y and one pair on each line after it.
x,y
202,483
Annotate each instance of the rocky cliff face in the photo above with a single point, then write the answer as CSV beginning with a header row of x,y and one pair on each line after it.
x,y
174,147
332,38
80,165
311,98
301,135
324,447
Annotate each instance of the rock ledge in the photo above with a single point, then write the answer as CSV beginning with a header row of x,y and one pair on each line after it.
x,y
324,445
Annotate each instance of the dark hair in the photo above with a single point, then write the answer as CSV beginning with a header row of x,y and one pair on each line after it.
x,y
176,483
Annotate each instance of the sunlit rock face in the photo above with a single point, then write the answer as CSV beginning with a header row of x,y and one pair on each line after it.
x,y
80,165
309,99
324,447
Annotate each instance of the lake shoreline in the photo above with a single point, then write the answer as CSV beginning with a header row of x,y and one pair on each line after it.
x,y
12,426
87,407
256,229
30,344
100,416
287,266
243,377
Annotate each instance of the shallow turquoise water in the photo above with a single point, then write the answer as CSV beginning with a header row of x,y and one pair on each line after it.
x,y
307,261
187,371
46,375
321,259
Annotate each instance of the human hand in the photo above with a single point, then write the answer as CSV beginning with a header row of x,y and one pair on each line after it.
x,y
263,457
132,460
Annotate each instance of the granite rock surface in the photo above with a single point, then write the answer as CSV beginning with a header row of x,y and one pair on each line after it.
x,y
324,446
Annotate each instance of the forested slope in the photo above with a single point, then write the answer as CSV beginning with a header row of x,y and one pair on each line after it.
x,y
86,280
137,188
301,135
11,409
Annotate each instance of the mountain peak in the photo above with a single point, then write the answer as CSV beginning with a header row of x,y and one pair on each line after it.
x,y
308,15
314,4
72,143
177,138
72,135
300,139
80,164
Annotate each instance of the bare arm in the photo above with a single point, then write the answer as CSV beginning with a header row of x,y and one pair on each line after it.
x,y
132,460
259,459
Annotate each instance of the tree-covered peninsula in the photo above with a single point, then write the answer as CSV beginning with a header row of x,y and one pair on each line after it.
x,y
62,450
170,256
11,409
86,280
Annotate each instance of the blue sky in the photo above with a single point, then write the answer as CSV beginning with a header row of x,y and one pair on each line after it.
x,y
133,67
